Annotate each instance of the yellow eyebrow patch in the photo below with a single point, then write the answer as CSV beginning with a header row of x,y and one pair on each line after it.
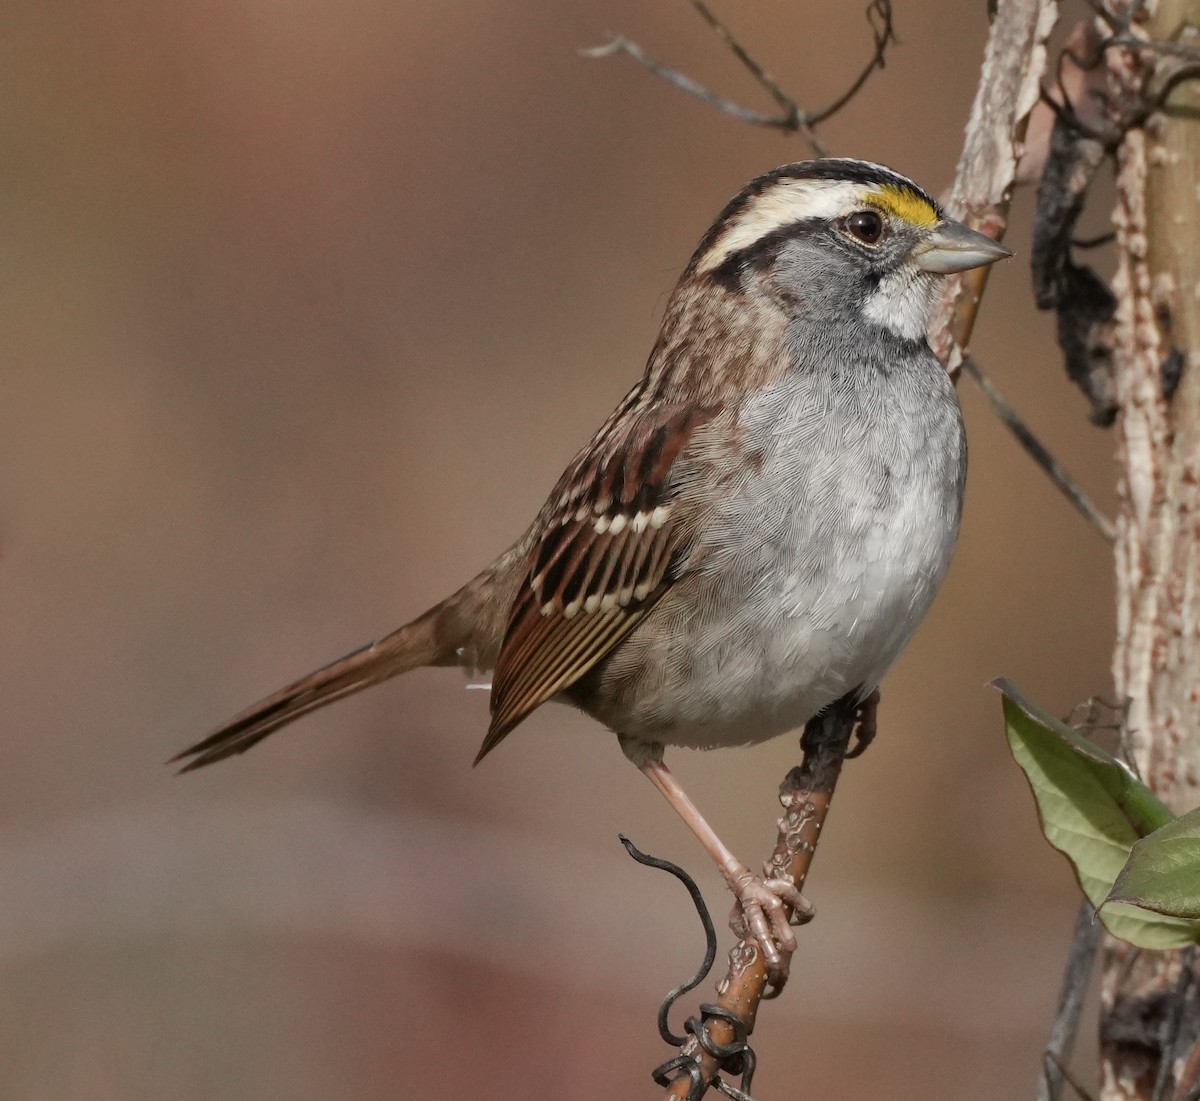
x,y
904,204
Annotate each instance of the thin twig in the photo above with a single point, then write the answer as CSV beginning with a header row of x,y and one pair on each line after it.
x,y
620,44
794,119
884,35
1117,22
1070,1004
789,106
1069,1078
1040,455
1150,45
710,938
1098,241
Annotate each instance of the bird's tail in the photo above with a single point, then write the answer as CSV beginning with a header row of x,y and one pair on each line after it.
x,y
464,629
413,645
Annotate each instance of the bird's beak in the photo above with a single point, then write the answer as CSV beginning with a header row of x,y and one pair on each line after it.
x,y
950,246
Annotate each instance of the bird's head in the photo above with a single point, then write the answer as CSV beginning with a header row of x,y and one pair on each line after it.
x,y
839,239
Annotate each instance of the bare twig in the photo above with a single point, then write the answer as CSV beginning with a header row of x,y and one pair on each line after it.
x,y
1068,1077
789,106
1037,450
793,119
879,16
620,44
1070,1004
1146,45
706,923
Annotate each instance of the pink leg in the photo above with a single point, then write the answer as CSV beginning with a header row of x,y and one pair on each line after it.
x,y
765,904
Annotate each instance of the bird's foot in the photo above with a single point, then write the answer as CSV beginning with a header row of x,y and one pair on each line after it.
x,y
766,910
865,725
767,905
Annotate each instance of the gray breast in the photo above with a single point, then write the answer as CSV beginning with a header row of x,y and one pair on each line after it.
x,y
818,557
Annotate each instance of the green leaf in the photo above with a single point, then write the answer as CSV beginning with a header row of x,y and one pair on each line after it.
x,y
1163,870
1092,809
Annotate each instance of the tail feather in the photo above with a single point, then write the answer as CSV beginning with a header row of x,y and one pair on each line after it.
x,y
408,648
464,629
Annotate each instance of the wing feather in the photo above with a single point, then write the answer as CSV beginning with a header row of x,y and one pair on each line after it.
x,y
613,537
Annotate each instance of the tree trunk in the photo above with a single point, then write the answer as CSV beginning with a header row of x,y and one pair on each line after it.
x,y
1150,1016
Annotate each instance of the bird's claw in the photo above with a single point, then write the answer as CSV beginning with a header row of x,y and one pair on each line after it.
x,y
864,725
766,910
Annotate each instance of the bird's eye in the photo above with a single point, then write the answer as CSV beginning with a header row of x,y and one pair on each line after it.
x,y
866,226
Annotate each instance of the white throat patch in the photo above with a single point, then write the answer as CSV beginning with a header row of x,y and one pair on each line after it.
x,y
901,303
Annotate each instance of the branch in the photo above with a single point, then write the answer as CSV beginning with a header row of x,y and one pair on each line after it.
x,y
1069,1078
805,794
1070,1004
619,44
1156,663
1009,87
879,16
790,108
1034,447
793,119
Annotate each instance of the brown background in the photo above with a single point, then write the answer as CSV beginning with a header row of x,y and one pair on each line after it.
x,y
304,308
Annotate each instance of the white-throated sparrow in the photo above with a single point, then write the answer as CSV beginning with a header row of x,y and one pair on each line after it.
x,y
756,530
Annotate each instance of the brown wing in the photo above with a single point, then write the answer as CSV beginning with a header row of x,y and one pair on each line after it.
x,y
613,535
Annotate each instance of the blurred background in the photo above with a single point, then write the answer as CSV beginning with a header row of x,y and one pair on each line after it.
x,y
305,307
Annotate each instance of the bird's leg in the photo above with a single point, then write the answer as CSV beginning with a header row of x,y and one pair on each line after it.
x,y
764,903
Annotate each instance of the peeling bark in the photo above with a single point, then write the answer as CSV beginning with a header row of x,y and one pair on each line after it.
x,y
1150,1013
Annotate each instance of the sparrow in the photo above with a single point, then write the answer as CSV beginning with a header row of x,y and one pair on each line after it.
x,y
756,530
